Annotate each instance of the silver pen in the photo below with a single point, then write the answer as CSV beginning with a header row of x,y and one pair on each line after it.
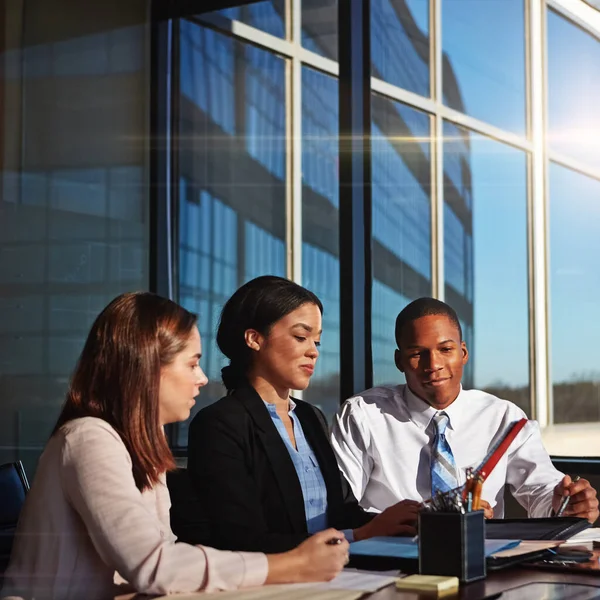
x,y
565,500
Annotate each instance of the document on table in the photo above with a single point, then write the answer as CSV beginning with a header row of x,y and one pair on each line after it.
x,y
350,584
526,547
587,535
403,547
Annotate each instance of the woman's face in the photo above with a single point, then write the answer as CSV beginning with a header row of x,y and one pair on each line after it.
x,y
287,356
180,382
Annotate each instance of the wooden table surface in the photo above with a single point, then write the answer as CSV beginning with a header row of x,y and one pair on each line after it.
x,y
495,582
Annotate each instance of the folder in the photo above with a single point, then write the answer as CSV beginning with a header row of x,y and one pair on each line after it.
x,y
551,528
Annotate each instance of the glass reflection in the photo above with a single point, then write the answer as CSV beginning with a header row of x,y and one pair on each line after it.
x,y
399,38
320,236
483,66
573,90
574,291
73,203
401,168
232,179
267,15
485,260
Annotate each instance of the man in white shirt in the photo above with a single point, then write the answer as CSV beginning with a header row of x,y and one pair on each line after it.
x,y
387,441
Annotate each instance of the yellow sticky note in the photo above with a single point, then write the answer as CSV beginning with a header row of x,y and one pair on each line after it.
x,y
429,583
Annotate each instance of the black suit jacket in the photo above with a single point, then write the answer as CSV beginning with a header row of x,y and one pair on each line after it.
x,y
246,486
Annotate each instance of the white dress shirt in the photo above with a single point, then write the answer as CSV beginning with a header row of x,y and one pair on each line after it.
x,y
383,439
84,521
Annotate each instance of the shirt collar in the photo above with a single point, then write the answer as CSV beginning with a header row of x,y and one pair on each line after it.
x,y
421,413
273,409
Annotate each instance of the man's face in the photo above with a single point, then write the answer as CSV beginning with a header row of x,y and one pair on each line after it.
x,y
432,357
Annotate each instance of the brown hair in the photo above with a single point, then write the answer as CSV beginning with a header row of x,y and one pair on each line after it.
x,y
117,376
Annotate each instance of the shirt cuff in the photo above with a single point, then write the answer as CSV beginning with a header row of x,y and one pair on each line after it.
x,y
232,570
349,535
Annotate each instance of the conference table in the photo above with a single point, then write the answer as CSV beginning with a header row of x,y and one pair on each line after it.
x,y
496,582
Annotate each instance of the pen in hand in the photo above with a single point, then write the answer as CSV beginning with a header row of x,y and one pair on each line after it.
x,y
334,541
565,500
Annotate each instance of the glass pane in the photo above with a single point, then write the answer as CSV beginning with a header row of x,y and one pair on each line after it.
x,y
573,92
574,291
484,60
401,187
319,27
400,43
232,179
320,236
485,260
268,16
399,39
74,202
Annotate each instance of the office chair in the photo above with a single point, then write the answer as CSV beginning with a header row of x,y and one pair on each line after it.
x,y
13,488
188,522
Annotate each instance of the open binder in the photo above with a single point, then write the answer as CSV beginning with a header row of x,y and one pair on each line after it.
x,y
551,528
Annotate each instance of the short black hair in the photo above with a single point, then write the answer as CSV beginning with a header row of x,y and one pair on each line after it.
x,y
424,307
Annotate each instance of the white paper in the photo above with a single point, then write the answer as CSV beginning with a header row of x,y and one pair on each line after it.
x,y
356,579
587,535
350,584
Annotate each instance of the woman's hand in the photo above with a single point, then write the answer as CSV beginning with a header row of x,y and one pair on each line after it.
x,y
399,519
315,559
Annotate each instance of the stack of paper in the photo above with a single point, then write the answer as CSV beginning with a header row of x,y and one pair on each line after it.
x,y
587,535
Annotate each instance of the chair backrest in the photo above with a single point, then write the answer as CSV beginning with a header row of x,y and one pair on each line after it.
x,y
188,521
13,487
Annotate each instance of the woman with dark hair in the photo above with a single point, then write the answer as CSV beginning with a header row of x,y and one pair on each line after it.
x,y
263,471
98,510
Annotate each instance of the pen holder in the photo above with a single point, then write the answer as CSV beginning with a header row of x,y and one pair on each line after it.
x,y
452,544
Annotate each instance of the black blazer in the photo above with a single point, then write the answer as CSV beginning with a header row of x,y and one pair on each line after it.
x,y
246,486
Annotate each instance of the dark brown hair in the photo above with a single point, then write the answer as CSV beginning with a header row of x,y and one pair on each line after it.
x,y
117,376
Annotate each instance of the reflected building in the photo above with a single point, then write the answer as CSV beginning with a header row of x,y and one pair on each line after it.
x,y
75,211
73,207
232,161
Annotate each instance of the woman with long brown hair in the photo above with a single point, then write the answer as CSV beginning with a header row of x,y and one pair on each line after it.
x,y
98,510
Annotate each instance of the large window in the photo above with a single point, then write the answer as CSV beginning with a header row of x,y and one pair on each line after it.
x,y
399,39
320,229
485,176
574,289
573,117
73,199
573,129
232,207
401,165
483,69
459,203
485,249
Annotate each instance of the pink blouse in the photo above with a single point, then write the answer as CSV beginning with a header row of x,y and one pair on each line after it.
x,y
85,523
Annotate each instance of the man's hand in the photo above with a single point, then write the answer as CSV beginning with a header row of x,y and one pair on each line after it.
x,y
488,511
399,519
582,499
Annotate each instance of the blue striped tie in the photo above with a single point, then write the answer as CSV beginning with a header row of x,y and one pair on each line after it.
x,y
443,467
